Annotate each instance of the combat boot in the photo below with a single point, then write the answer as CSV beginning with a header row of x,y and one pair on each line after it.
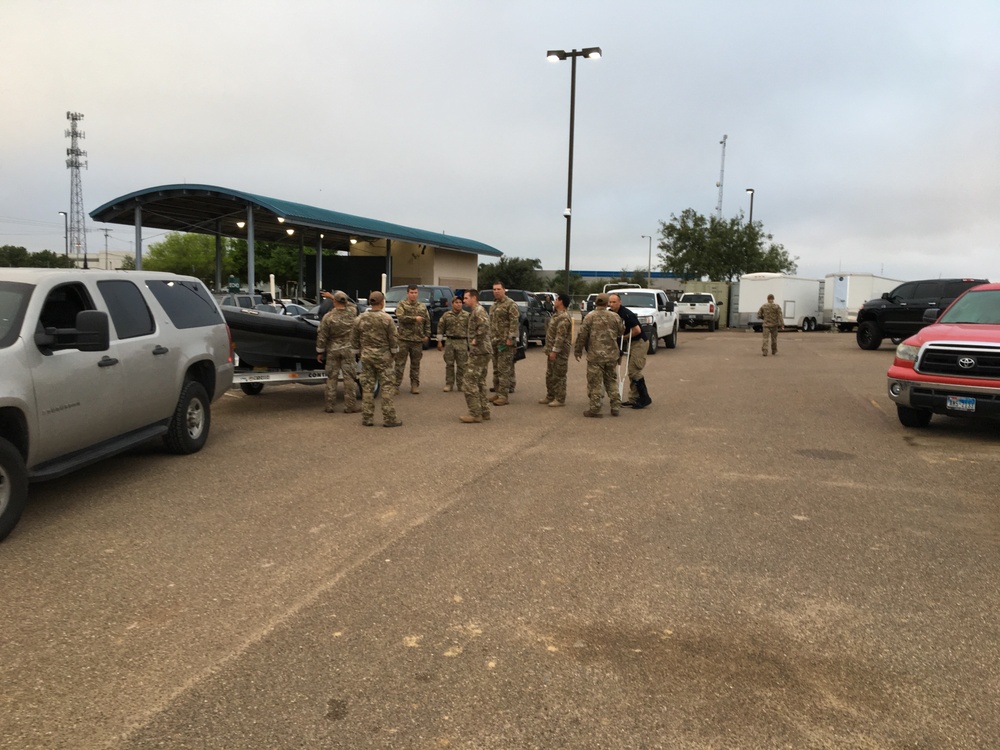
x,y
644,399
470,419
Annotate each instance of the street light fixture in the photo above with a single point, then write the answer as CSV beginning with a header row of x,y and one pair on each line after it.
x,y
556,55
751,191
66,231
649,268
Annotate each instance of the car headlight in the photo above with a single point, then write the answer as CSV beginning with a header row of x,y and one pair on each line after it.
x,y
646,320
907,352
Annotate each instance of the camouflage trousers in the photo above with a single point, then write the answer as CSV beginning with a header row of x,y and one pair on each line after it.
x,y
341,361
636,364
555,378
415,350
474,384
601,377
456,355
504,379
378,370
770,333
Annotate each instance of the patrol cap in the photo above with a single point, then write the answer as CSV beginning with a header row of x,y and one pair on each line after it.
x,y
339,297
602,300
376,298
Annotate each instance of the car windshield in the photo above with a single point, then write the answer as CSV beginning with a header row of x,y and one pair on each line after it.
x,y
398,295
637,299
975,307
14,298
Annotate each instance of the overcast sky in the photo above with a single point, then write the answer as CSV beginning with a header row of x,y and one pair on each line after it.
x,y
868,128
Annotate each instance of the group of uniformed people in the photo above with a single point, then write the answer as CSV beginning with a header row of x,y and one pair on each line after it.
x,y
470,338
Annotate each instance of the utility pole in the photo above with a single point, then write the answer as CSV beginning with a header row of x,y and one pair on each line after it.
x,y
75,160
722,173
106,231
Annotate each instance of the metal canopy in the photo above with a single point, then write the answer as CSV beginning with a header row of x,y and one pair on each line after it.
x,y
207,209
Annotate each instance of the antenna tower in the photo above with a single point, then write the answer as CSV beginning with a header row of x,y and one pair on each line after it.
x,y
75,160
722,172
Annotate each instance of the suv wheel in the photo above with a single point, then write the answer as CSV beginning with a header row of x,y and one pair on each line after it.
x,y
653,341
522,339
910,417
869,335
188,430
671,340
13,487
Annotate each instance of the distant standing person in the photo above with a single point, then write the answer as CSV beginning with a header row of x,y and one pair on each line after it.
x,y
479,359
770,313
635,347
334,348
374,335
505,319
599,335
558,342
414,331
453,329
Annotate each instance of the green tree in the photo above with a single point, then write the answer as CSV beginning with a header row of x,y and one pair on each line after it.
x,y
13,256
128,263
693,246
513,273
638,276
577,285
184,253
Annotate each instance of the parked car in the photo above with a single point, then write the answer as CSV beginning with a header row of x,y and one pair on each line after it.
x,y
900,313
952,365
96,362
587,305
437,298
533,315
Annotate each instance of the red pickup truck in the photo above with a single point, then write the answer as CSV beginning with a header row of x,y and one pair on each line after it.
x,y
952,366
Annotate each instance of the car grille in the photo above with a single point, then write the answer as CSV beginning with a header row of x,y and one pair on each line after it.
x,y
962,361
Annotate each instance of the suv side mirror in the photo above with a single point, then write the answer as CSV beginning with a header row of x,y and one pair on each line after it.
x,y
90,335
266,298
886,296
931,314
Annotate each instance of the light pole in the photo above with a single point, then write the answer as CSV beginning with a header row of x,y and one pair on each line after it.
x,y
750,190
66,231
649,268
555,55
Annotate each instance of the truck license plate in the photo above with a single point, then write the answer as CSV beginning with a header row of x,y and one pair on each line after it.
x,y
961,403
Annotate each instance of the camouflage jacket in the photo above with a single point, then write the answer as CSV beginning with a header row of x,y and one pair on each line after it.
x,y
374,335
335,331
411,329
599,335
479,332
453,324
771,314
559,334
505,319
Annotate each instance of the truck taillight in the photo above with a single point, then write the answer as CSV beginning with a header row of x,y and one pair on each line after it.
x,y
711,308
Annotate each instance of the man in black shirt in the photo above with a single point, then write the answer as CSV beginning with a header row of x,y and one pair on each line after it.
x,y
635,344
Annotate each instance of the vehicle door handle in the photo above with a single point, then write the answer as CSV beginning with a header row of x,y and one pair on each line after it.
x,y
107,361
158,350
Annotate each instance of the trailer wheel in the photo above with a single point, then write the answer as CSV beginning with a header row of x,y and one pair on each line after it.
x,y
252,389
13,487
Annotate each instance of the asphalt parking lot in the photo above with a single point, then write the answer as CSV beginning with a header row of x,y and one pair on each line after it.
x,y
764,558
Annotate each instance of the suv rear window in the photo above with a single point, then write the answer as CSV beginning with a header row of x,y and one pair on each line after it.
x,y
187,303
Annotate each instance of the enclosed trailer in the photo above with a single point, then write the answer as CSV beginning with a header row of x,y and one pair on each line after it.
x,y
798,298
845,293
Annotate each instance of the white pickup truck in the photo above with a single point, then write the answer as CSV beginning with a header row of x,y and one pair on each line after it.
x,y
699,309
656,314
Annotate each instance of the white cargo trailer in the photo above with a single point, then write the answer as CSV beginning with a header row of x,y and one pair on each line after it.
x,y
845,293
798,298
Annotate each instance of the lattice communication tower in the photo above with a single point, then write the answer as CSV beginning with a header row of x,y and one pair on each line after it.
x,y
74,161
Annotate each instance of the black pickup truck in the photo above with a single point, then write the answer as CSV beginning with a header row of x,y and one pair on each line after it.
x,y
534,316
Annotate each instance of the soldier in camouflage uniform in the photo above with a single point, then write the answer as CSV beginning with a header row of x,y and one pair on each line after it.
x,y
773,319
374,335
558,342
505,319
333,347
479,358
599,335
414,331
452,333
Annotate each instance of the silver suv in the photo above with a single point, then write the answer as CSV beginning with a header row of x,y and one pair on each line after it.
x,y
95,362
